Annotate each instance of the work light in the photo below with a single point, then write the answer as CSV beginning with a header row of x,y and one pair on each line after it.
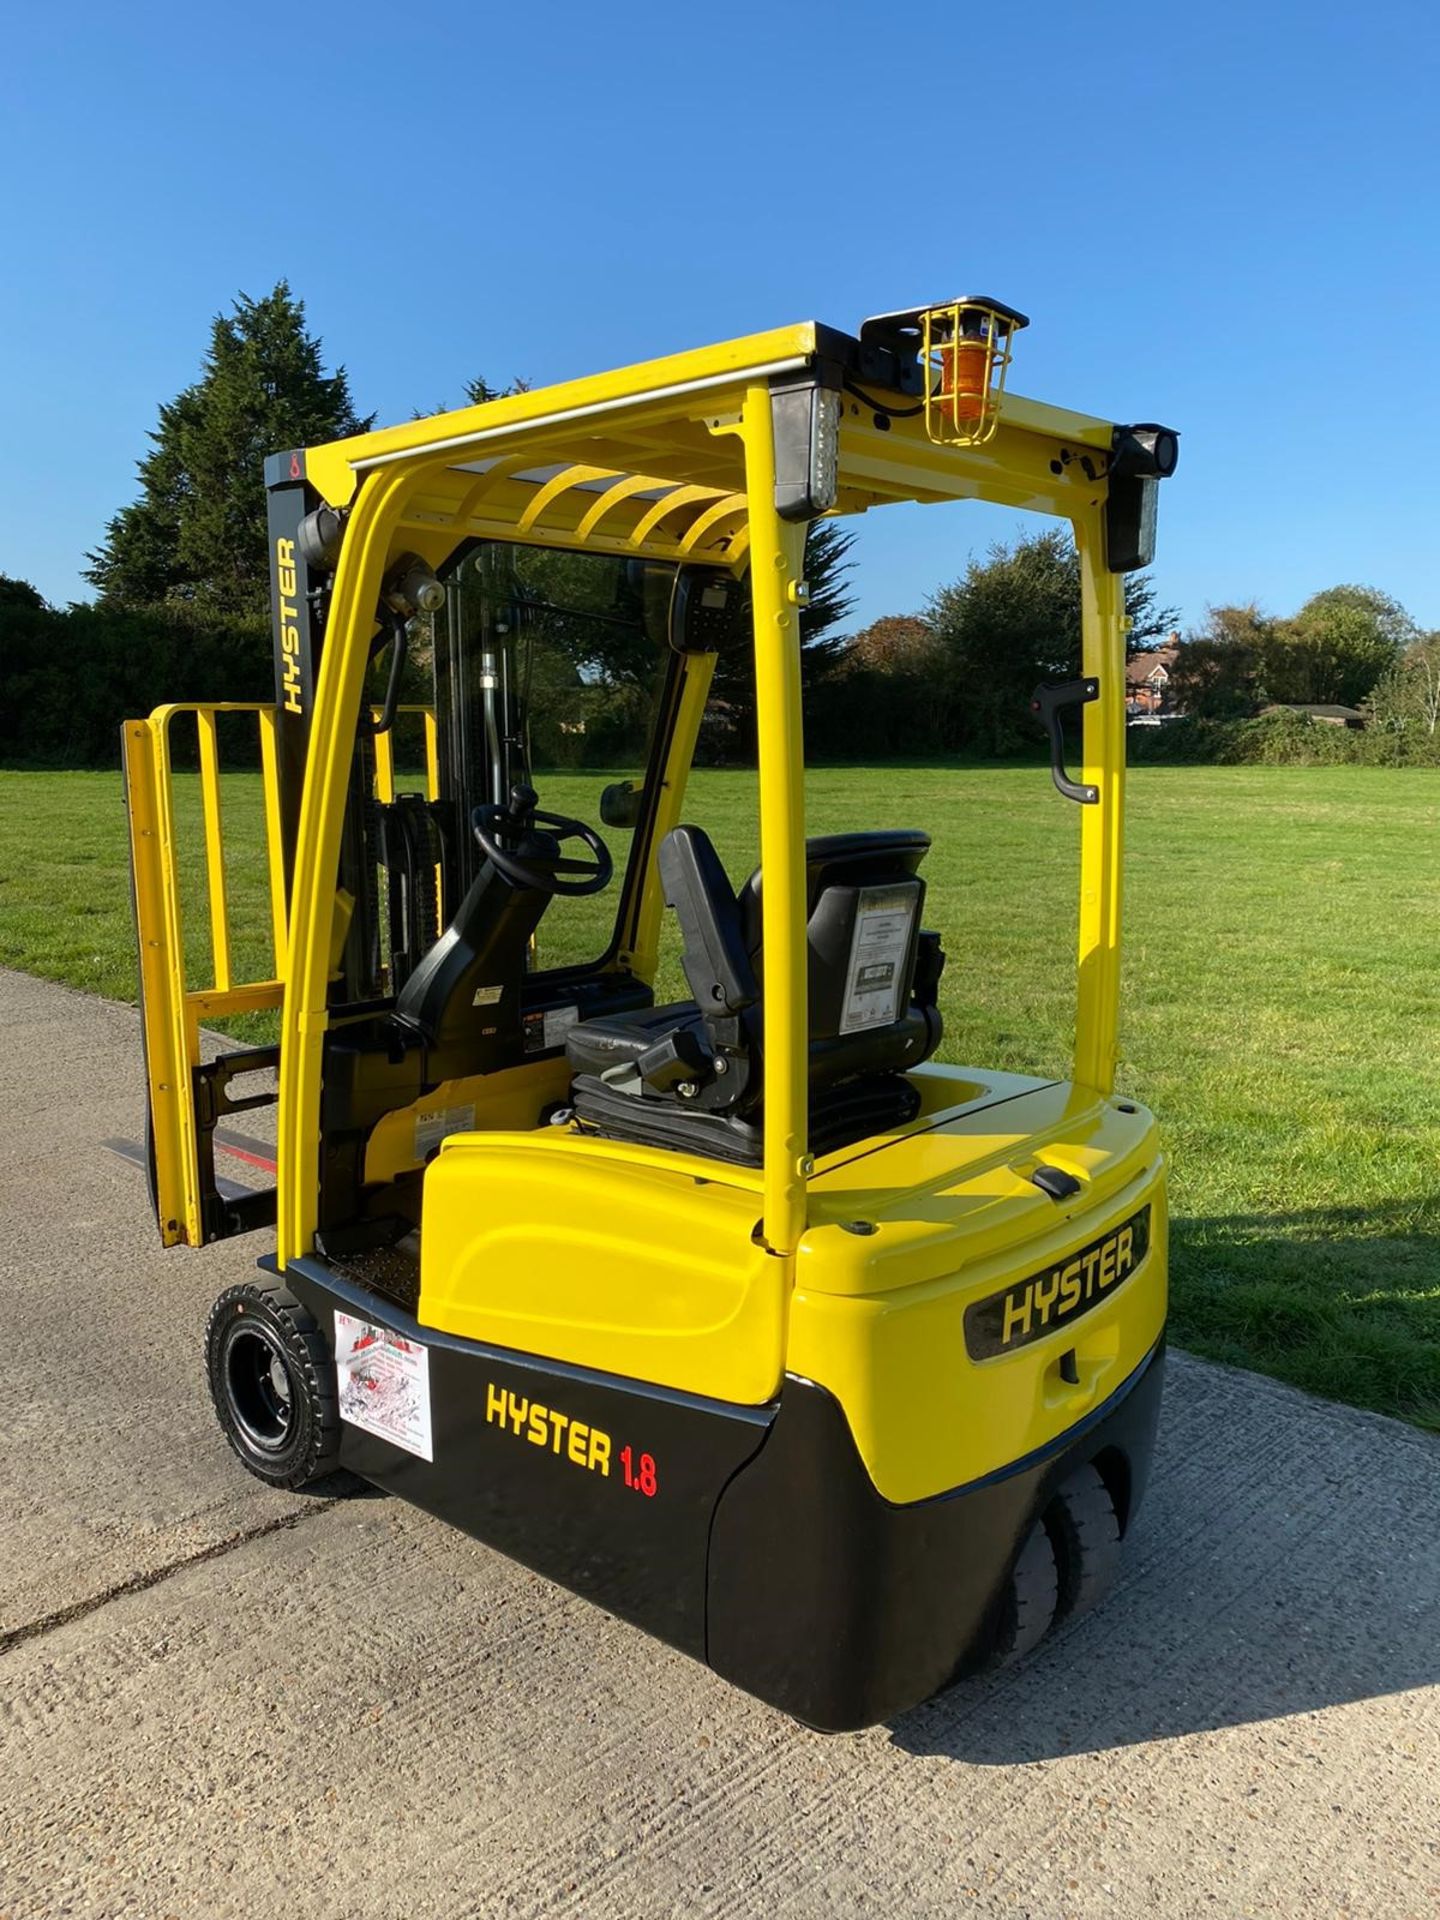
x,y
1146,450
806,419
1140,458
320,537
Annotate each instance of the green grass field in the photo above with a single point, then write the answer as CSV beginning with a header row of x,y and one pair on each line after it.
x,y
1282,1006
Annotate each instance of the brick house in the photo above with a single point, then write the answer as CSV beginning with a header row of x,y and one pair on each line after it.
x,y
1147,683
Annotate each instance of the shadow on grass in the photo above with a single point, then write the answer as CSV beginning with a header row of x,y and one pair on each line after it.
x,y
1341,1301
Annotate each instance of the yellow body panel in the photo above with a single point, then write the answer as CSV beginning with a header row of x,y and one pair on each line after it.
x,y
653,387
649,1265
605,1256
946,1215
511,1100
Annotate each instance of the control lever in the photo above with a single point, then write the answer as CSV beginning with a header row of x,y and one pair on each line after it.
x,y
399,650
680,1063
521,805
1049,702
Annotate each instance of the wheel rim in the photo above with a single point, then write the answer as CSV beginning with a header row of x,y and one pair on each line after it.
x,y
259,1388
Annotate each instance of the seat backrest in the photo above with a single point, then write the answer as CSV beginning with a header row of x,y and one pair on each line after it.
x,y
864,900
717,966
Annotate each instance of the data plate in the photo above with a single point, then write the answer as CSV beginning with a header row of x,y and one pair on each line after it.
x,y
884,917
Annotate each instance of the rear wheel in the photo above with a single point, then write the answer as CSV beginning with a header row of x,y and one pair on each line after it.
x,y
1086,1531
273,1385
1028,1609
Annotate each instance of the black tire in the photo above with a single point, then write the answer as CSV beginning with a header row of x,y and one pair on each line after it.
x,y
273,1384
1028,1609
1085,1528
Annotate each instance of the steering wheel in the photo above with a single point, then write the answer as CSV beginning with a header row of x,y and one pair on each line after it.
x,y
535,859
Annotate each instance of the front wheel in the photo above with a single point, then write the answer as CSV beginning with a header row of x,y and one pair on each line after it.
x,y
273,1384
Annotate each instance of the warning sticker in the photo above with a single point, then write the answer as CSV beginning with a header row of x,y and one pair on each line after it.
x,y
384,1383
431,1128
558,1022
878,949
547,1029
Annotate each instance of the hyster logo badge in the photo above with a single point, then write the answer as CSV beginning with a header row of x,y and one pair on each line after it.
x,y
1032,1308
568,1439
289,600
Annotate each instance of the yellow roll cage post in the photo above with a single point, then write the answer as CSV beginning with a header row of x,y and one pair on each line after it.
x,y
838,1407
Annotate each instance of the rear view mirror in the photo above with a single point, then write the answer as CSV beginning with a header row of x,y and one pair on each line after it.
x,y
621,804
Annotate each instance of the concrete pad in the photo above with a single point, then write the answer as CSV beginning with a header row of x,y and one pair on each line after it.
x,y
217,1699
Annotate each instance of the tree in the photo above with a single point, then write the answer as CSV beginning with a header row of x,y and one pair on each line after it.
x,y
895,643
72,674
1336,648
477,392
1407,695
197,532
827,572
730,728
1358,609
1011,622
1215,674
20,593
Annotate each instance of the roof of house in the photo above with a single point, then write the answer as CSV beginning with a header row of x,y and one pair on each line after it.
x,y
1316,711
1140,670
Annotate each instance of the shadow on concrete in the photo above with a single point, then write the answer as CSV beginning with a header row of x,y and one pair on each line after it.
x,y
1287,1560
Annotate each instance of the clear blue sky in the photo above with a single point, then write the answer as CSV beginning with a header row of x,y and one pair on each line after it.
x,y
1224,217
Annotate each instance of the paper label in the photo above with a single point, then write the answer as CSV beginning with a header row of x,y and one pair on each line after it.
x,y
558,1022
486,996
384,1384
878,950
431,1128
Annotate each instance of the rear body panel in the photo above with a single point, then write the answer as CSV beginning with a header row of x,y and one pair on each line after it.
x,y
908,1239
844,1608
846,1450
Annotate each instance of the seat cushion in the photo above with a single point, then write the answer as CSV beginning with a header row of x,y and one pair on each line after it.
x,y
839,1116
594,1046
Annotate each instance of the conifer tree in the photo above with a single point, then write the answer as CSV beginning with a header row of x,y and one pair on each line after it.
x,y
196,534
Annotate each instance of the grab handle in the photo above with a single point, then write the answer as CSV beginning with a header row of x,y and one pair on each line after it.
x,y
1049,702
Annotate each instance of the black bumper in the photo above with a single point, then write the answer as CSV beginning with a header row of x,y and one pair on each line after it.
x,y
829,1602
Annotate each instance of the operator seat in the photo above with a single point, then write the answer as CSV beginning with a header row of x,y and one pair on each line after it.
x,y
689,1076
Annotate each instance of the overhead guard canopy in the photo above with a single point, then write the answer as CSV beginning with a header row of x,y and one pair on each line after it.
x,y
648,460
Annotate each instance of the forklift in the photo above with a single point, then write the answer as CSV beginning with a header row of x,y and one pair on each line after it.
x,y
741,1314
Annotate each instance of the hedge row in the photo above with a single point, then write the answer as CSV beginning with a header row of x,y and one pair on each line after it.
x,y
1281,740
70,677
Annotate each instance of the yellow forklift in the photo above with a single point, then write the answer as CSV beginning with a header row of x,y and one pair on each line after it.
x,y
834,1366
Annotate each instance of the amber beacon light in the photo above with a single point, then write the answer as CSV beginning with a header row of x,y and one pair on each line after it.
x,y
965,350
